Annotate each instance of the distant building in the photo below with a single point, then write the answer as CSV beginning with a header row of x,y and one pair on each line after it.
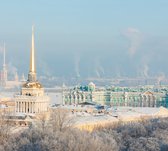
x,y
31,98
3,73
145,98
5,83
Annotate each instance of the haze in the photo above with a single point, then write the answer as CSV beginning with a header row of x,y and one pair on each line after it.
x,y
87,38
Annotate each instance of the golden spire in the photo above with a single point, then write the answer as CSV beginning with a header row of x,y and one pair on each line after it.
x,y
32,70
32,55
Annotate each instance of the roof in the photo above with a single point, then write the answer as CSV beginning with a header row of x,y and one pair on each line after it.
x,y
147,93
87,103
32,85
162,111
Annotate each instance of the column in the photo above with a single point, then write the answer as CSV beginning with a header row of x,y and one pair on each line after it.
x,y
42,106
31,107
21,103
34,107
28,109
19,106
16,106
34,110
39,107
24,107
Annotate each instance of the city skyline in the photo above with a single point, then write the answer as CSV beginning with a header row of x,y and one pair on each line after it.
x,y
87,39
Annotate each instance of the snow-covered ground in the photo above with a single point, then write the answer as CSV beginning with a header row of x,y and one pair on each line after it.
x,y
89,121
113,114
55,98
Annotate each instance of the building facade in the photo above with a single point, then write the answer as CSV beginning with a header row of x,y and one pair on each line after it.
x,y
32,98
115,98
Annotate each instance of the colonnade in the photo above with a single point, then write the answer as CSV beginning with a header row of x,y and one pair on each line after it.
x,y
78,98
30,107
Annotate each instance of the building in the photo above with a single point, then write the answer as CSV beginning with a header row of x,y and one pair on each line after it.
x,y
3,73
5,81
32,98
116,97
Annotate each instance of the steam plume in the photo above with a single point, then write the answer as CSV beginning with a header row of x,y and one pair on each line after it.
x,y
77,61
99,70
134,36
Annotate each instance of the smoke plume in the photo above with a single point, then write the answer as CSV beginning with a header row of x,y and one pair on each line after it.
x,y
12,70
99,70
134,36
77,61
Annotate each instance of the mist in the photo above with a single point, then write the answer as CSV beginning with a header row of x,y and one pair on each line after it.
x,y
78,40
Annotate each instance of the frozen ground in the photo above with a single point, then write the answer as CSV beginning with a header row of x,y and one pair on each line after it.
x,y
56,98
88,121
114,114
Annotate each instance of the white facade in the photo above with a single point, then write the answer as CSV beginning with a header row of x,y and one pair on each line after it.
x,y
31,104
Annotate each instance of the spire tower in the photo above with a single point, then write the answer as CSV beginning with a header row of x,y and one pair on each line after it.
x,y
3,77
32,99
32,69
4,64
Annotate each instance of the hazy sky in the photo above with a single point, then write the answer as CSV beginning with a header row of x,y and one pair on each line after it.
x,y
87,37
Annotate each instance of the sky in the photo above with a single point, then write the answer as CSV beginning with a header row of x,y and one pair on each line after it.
x,y
87,38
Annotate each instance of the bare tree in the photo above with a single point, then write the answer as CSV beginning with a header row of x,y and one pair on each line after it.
x,y
5,128
60,119
42,121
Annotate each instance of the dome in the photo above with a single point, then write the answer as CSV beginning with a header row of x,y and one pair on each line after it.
x,y
91,86
32,85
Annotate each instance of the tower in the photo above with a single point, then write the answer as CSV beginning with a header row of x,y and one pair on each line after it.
x,y
3,78
32,68
23,78
32,98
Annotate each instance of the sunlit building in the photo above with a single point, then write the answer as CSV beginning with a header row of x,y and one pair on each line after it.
x,y
113,97
32,98
5,81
